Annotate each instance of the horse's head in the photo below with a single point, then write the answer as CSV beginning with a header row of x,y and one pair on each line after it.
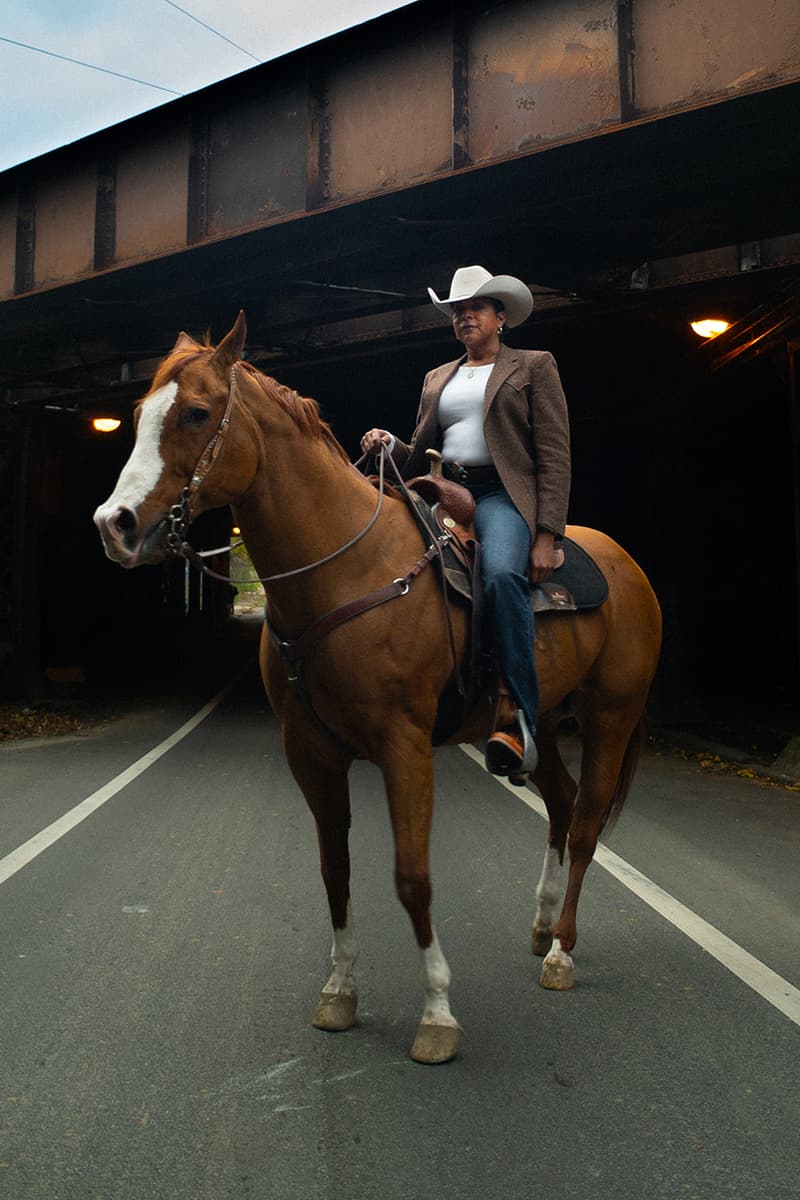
x,y
179,425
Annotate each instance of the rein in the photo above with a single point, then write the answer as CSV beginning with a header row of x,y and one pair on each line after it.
x,y
180,514
293,653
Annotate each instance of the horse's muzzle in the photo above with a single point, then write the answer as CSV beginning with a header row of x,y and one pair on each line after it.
x,y
122,540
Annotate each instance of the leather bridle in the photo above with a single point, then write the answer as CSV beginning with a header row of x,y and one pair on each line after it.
x,y
294,652
180,515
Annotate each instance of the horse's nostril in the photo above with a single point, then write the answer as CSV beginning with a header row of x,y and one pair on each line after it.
x,y
124,521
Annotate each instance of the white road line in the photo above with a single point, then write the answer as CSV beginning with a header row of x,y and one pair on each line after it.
x,y
31,849
773,987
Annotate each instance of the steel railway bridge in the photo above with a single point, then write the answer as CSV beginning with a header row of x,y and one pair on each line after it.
x,y
635,162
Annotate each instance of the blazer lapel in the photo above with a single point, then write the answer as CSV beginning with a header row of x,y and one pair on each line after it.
x,y
440,376
506,365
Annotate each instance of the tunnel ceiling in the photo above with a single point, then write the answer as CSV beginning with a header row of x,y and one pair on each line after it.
x,y
629,216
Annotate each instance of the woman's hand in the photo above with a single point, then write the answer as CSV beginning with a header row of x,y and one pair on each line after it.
x,y
373,439
545,557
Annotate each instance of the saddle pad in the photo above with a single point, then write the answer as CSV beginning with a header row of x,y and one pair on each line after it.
x,y
580,576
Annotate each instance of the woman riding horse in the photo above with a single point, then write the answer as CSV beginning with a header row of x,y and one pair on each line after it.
x,y
499,418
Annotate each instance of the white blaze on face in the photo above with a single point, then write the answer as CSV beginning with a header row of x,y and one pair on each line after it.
x,y
143,469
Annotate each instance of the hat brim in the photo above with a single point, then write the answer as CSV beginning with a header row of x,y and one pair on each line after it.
x,y
513,294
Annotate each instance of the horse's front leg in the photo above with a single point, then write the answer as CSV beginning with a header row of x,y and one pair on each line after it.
x,y
323,781
408,774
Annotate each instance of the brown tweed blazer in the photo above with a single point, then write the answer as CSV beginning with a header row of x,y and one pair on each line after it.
x,y
526,426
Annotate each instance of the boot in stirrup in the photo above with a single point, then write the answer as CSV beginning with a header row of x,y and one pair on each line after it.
x,y
511,749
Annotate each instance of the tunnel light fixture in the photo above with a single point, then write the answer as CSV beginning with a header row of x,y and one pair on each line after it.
x,y
710,327
105,424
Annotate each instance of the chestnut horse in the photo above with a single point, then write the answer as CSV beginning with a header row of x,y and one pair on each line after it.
x,y
214,431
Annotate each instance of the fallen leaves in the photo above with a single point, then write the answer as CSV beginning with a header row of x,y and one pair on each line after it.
x,y
30,722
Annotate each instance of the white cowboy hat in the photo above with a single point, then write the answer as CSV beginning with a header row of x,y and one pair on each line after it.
x,y
470,282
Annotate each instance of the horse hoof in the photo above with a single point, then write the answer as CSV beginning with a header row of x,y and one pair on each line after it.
x,y
335,1013
436,1043
541,941
558,970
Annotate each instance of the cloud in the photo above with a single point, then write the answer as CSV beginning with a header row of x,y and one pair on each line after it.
x,y
47,102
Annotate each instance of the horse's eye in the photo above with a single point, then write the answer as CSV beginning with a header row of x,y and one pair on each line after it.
x,y
194,416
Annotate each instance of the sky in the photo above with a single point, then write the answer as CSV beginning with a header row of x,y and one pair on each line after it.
x,y
46,102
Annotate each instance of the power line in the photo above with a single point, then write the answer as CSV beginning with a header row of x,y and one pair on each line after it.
x,y
90,66
211,29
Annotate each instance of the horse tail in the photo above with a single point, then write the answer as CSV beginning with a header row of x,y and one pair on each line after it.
x,y
630,761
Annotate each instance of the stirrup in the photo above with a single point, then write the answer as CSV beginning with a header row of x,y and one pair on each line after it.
x,y
530,755
512,752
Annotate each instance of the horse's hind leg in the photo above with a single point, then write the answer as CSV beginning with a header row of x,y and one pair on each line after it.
x,y
610,750
326,791
558,789
408,774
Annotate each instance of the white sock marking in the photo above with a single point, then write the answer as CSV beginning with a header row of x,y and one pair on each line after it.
x,y
343,956
776,990
549,889
436,982
556,957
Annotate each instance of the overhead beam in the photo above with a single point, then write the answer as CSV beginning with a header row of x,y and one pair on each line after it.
x,y
723,276
411,98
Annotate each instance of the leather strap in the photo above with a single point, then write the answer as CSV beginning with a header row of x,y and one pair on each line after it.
x,y
413,502
295,652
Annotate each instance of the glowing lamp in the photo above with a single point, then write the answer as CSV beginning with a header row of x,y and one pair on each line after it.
x,y
710,327
236,531
105,424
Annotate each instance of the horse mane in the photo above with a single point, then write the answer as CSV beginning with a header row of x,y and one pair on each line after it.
x,y
302,409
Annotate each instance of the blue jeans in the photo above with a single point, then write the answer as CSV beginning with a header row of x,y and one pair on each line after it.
x,y
505,548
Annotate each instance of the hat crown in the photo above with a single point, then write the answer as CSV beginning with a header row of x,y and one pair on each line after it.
x,y
469,283
466,282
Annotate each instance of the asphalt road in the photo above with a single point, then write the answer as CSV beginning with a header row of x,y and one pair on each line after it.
x,y
160,961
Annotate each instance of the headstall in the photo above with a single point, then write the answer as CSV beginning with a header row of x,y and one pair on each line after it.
x,y
180,514
179,517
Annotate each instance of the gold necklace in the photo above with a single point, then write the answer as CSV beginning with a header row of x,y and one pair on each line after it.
x,y
473,367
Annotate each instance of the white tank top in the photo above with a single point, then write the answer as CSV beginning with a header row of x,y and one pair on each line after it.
x,y
461,417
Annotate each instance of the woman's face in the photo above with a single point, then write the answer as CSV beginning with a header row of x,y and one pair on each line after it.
x,y
475,322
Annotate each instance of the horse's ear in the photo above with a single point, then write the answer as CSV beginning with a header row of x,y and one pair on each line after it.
x,y
230,348
184,342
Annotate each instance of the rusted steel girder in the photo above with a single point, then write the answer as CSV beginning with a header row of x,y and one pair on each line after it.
x,y
415,97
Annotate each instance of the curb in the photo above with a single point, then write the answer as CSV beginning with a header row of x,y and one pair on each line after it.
x,y
730,754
